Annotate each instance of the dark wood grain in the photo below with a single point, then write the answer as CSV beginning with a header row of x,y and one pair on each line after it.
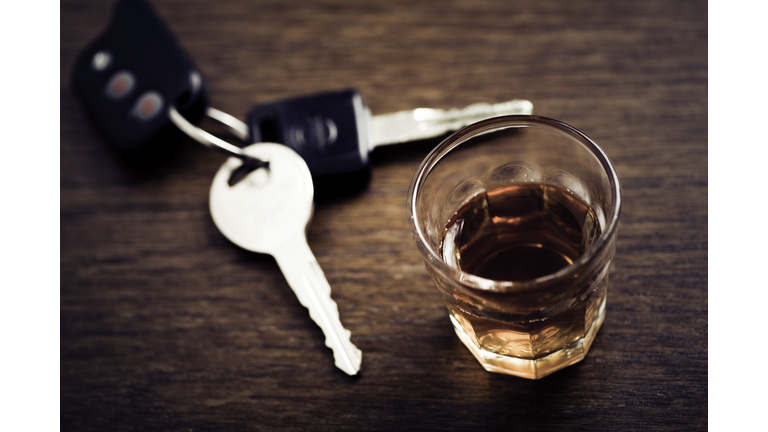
x,y
165,325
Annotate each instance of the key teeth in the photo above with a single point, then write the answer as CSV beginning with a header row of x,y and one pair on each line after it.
x,y
307,280
356,360
339,352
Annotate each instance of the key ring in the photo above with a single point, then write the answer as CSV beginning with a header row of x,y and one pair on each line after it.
x,y
235,126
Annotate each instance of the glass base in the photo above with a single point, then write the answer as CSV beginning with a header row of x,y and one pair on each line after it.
x,y
527,368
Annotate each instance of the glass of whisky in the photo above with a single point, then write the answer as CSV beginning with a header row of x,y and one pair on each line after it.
x,y
516,219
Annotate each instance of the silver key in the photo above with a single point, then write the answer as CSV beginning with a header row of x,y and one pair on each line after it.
x,y
268,212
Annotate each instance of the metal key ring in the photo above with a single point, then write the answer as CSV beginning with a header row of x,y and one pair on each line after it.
x,y
235,126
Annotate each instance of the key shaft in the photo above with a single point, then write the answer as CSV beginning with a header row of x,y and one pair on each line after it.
x,y
308,281
423,123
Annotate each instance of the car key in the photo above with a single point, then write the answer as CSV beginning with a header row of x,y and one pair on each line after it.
x,y
268,212
335,132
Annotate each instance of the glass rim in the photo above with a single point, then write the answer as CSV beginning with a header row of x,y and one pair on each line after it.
x,y
475,129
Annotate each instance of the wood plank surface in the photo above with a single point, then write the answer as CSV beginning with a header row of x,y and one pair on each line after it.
x,y
166,325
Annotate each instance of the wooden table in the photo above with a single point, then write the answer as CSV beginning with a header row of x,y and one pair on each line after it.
x,y
166,325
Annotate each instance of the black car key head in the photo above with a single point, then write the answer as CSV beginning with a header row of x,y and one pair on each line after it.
x,y
127,78
328,130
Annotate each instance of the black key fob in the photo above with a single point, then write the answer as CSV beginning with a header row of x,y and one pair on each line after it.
x,y
328,130
128,77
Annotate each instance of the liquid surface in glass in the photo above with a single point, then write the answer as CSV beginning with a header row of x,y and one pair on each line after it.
x,y
519,232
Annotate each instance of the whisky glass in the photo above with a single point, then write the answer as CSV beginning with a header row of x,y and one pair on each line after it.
x,y
510,179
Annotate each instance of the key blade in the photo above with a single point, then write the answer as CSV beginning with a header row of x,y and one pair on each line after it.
x,y
346,355
422,123
308,281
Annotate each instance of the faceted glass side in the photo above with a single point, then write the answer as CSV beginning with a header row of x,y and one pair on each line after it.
x,y
537,348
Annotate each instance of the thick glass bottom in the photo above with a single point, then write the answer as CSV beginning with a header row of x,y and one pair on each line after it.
x,y
532,368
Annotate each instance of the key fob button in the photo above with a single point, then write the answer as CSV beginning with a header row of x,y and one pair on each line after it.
x,y
120,85
327,130
148,106
314,134
101,60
